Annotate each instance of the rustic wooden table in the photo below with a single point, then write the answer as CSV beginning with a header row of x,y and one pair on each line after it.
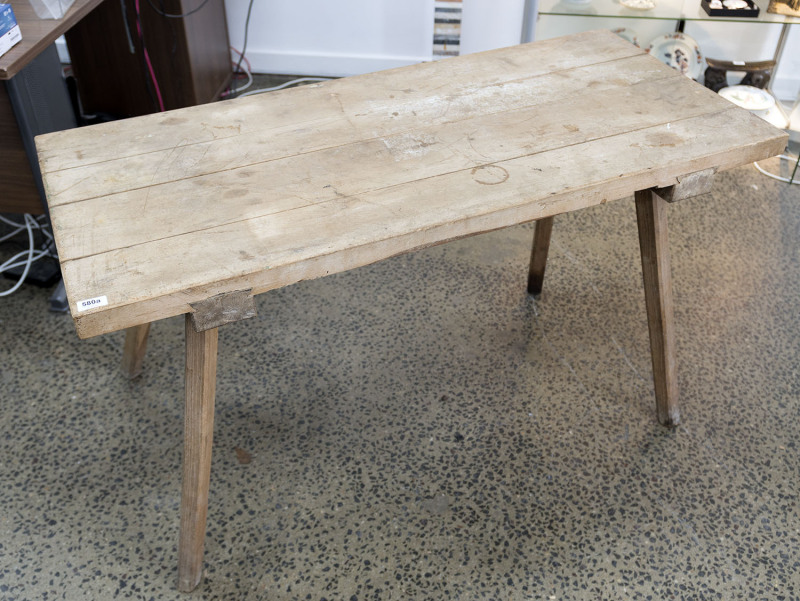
x,y
195,211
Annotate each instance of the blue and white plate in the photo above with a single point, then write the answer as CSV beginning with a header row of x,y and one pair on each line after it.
x,y
680,52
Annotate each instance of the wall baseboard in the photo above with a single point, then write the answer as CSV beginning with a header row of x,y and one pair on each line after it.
x,y
325,64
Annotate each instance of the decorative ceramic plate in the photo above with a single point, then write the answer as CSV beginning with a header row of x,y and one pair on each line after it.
x,y
638,4
749,97
680,52
627,34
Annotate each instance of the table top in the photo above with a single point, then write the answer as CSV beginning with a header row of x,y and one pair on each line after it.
x,y
38,34
153,213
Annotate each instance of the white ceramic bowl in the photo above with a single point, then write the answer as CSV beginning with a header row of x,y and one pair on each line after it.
x,y
757,101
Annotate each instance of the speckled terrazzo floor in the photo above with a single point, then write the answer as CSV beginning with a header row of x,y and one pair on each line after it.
x,y
421,429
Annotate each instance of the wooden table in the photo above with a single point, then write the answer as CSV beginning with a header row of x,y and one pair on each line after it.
x,y
196,211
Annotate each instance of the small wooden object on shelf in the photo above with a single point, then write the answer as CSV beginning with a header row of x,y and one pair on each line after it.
x,y
790,8
757,74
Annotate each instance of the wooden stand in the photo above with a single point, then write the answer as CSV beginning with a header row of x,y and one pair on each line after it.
x,y
201,378
135,347
202,327
654,246
541,246
651,218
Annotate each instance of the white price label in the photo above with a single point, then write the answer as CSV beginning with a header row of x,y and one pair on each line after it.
x,y
91,303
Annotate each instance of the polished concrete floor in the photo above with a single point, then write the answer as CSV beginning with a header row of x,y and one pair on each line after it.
x,y
422,429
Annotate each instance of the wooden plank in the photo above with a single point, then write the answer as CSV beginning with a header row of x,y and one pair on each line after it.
x,y
201,374
688,186
651,215
135,348
120,220
222,309
539,250
334,236
428,87
181,161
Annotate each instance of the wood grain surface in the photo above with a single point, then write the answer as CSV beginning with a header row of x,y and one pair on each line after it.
x,y
651,219
201,381
161,211
134,350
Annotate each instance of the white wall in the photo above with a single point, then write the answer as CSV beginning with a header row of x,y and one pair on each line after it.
x,y
787,82
327,37
345,37
487,25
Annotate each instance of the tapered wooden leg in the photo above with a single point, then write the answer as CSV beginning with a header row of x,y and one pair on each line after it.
x,y
651,214
541,245
201,374
135,347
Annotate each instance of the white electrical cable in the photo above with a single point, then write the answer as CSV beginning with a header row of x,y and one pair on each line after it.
x,y
35,224
12,223
284,85
244,65
37,255
3,267
33,255
245,86
785,180
12,234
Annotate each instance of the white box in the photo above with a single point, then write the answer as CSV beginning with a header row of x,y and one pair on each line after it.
x,y
51,9
9,30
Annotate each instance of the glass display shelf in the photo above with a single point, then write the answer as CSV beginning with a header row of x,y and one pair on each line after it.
x,y
669,10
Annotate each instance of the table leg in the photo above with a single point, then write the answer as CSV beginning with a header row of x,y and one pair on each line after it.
x,y
651,214
541,244
201,374
135,347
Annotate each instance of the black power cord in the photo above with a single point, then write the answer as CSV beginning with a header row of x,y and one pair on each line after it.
x,y
172,16
244,46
